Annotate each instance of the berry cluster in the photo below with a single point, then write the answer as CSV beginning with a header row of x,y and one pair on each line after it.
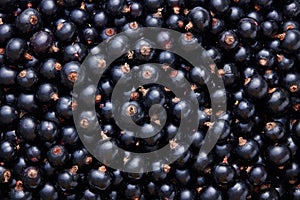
x,y
255,46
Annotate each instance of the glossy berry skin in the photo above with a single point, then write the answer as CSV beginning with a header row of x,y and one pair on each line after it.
x,y
100,19
47,93
29,21
209,192
69,73
291,82
57,155
235,13
15,50
47,131
144,50
27,79
33,154
19,192
175,22
274,131
268,194
256,87
247,150
186,194
132,191
257,175
31,177
291,40
166,191
79,16
223,173
99,179
248,28
68,180
65,31
27,102
7,76
278,155
285,63
48,192
244,109
228,40
90,35
74,52
82,158
114,6
291,9
220,7
69,136
50,68
200,18
272,78
265,58
278,101
64,107
41,42
8,151
238,191
7,31
27,128
153,21
48,8
269,28
8,116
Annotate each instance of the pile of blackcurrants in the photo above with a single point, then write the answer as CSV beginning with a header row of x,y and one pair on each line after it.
x,y
255,45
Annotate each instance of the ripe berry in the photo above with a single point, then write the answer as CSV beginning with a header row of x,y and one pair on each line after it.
x,y
29,21
247,149
57,156
200,18
79,16
248,28
257,175
238,191
274,131
100,19
74,52
41,42
7,76
15,50
48,192
50,68
47,131
27,79
18,192
65,31
228,40
27,128
209,192
47,93
278,155
68,180
223,173
99,179
290,41
69,73
166,191
31,178
48,8
7,31
8,116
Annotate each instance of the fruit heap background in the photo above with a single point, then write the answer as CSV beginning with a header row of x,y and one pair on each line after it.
x,y
255,45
